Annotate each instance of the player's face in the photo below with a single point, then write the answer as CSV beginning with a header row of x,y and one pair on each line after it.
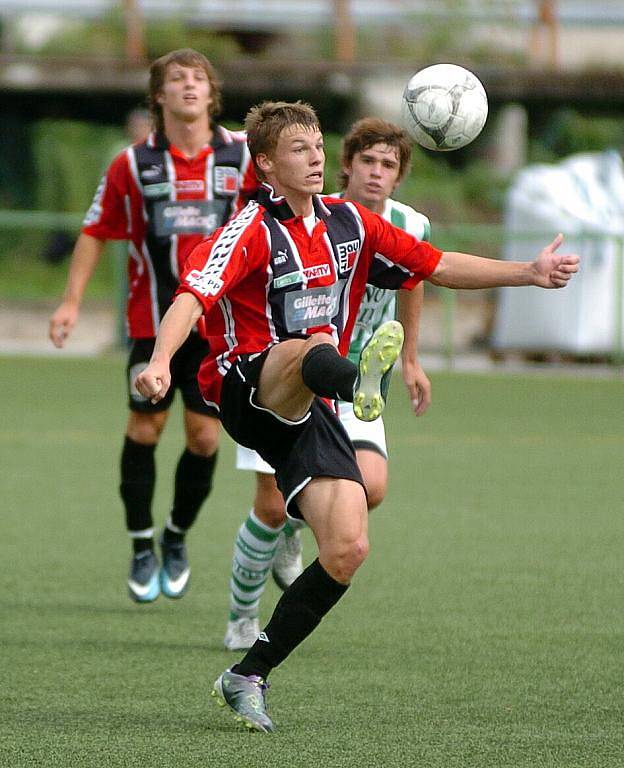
x,y
297,164
373,175
185,94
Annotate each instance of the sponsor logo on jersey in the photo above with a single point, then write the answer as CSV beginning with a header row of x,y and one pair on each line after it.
x,y
162,189
288,279
177,217
264,637
320,270
347,252
281,257
226,180
207,285
208,280
312,306
190,185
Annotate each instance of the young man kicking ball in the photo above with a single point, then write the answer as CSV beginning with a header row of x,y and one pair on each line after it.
x,y
280,286
376,156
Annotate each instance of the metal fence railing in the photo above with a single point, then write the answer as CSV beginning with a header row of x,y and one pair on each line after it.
x,y
485,239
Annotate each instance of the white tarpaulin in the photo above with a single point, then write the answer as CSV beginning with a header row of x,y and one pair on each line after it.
x,y
583,197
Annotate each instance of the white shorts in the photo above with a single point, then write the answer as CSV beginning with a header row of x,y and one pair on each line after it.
x,y
363,434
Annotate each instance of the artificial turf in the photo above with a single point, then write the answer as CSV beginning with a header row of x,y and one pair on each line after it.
x,y
485,629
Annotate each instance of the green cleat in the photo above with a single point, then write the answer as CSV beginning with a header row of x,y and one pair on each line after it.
x,y
245,697
378,356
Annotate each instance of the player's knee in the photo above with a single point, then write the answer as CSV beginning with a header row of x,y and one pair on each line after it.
x,y
203,438
375,493
347,558
145,428
315,339
271,512
203,443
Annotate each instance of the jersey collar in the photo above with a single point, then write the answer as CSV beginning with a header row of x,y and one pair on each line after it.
x,y
278,207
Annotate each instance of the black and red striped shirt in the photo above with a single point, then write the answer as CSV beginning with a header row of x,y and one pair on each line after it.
x,y
165,204
263,278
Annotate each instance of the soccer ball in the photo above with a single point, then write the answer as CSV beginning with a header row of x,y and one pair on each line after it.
x,y
444,107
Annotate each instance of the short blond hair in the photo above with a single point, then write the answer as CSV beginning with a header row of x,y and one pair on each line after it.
x,y
265,122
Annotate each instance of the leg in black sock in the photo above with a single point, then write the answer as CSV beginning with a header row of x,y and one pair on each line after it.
x,y
328,374
193,483
138,478
298,612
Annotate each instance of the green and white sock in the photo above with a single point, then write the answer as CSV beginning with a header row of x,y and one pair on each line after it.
x,y
254,550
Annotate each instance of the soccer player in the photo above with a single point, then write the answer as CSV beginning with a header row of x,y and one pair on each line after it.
x,y
279,288
163,195
375,158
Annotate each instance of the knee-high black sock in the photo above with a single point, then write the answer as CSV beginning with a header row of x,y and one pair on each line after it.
x,y
138,478
298,612
327,373
193,483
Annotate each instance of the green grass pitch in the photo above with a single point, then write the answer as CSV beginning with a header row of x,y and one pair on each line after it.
x,y
485,629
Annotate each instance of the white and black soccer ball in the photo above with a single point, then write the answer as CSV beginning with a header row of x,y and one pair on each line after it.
x,y
444,107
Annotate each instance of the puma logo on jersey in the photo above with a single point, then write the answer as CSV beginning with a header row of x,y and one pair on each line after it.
x,y
282,256
152,173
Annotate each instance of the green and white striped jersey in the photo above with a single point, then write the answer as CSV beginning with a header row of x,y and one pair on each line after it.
x,y
379,304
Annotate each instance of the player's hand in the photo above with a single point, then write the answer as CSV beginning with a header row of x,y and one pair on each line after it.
x,y
418,387
62,323
154,381
553,270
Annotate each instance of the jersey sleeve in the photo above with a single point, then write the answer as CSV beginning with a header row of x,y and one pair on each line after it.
x,y
225,258
399,260
108,215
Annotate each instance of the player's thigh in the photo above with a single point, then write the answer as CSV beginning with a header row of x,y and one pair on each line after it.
x,y
336,511
374,469
280,386
369,441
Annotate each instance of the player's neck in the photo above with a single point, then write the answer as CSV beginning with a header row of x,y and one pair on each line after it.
x,y
189,138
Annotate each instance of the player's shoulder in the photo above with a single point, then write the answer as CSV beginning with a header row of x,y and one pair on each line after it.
x,y
404,216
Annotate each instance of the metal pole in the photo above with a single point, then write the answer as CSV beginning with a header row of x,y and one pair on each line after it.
x,y
345,32
618,310
449,299
135,33
119,256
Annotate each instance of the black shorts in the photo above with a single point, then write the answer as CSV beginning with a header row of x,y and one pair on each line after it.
x,y
184,366
316,446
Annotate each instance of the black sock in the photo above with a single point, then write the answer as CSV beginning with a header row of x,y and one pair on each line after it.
x,y
138,478
298,612
193,483
327,373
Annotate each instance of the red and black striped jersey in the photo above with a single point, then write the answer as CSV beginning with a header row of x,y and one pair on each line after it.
x,y
263,278
165,204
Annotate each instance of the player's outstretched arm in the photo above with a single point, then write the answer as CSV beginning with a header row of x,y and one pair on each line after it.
x,y
414,377
174,329
84,260
549,270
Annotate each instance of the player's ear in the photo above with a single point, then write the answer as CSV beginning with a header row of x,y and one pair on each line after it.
x,y
264,163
